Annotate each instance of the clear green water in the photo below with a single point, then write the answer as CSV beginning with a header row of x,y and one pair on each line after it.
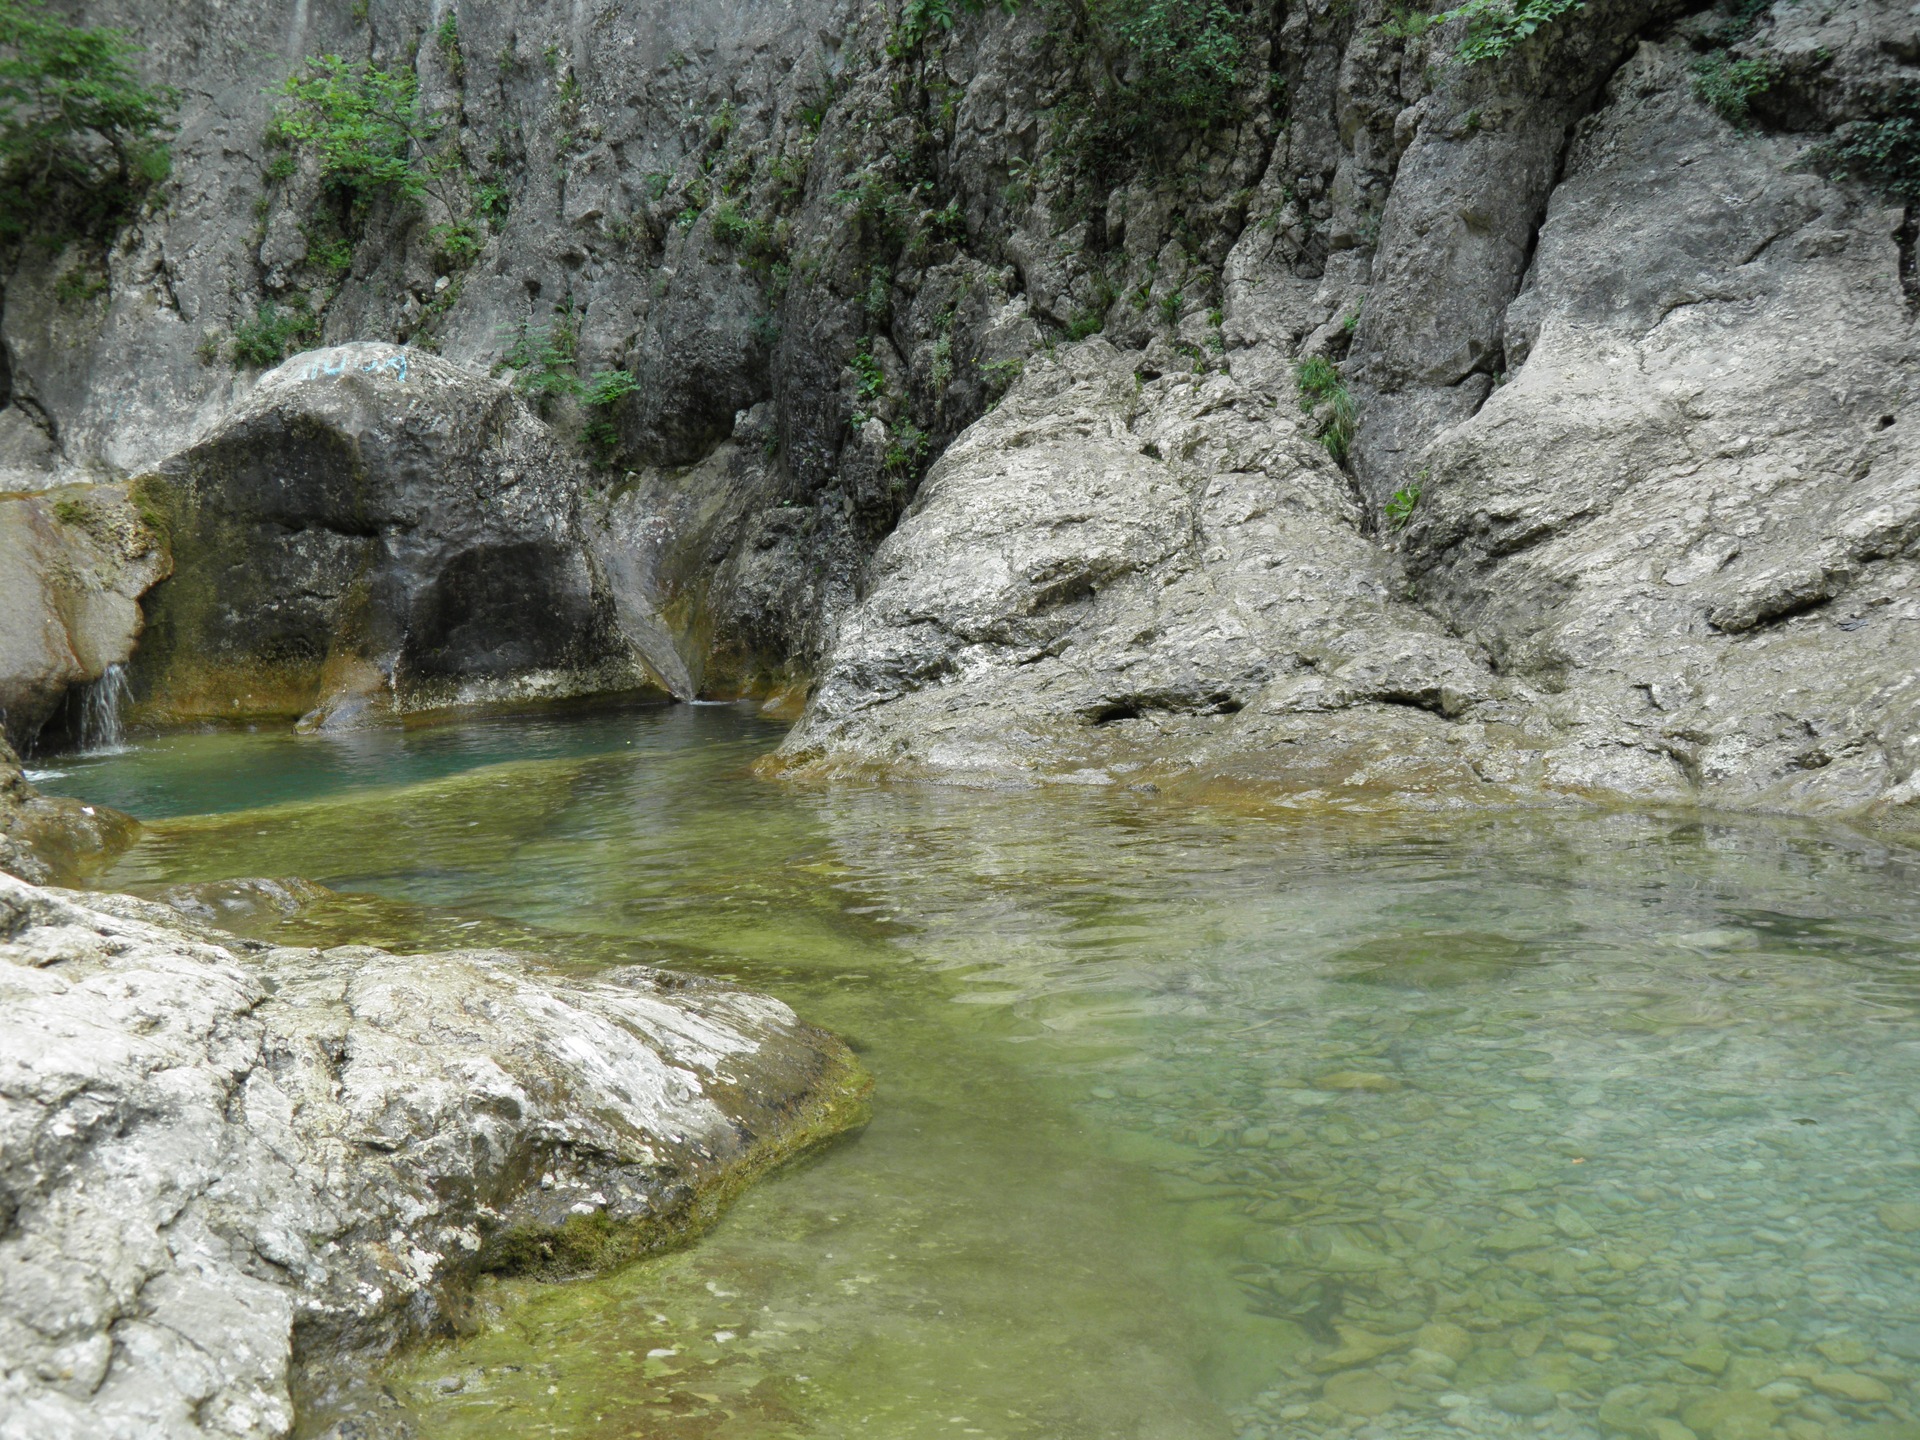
x,y
1187,1124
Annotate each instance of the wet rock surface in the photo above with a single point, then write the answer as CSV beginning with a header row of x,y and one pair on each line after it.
x,y
232,1172
74,562
375,530
49,839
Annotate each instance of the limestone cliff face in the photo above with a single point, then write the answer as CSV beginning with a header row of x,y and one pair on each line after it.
x,y
1646,371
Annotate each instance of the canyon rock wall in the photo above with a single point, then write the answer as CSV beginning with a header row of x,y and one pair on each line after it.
x,y
1614,359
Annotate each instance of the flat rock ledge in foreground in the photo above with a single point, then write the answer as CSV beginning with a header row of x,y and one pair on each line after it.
x,y
231,1174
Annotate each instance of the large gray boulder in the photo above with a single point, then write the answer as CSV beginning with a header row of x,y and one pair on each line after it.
x,y
231,1174
374,529
1114,581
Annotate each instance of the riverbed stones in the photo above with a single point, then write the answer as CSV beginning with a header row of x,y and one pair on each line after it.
x,y
1360,1392
230,1169
1731,1415
1523,1399
1900,1216
1845,1385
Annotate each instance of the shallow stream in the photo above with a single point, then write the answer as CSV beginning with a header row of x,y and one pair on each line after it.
x,y
1187,1124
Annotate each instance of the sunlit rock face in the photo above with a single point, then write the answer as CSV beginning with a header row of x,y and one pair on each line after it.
x,y
228,1171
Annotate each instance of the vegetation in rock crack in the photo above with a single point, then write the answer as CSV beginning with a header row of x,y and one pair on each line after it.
x,y
1729,87
545,359
1401,505
1495,28
921,18
1323,394
869,379
1151,71
370,134
1883,153
272,333
81,137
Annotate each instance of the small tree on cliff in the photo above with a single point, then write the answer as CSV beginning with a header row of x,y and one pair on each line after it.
x,y
81,138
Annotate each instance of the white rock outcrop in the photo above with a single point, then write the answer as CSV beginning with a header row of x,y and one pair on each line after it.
x,y
226,1168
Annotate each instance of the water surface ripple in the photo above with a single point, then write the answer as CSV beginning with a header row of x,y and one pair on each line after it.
x,y
1187,1124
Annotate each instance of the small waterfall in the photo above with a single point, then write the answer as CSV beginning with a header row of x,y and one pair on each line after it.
x,y
100,706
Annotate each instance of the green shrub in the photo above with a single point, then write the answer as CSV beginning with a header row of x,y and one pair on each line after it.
x,y
883,210
79,285
1320,383
331,253
907,447
543,356
267,338
1087,322
1495,28
366,127
449,37
81,139
1401,507
457,243
1000,374
1185,56
869,378
491,200
599,394
546,357
731,227
607,386
1728,86
921,18
1883,153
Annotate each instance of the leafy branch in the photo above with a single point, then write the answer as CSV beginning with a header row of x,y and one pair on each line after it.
x,y
81,137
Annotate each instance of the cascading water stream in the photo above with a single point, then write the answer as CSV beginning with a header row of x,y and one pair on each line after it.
x,y
101,704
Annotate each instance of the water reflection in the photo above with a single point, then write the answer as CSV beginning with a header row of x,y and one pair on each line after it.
x,y
1187,1124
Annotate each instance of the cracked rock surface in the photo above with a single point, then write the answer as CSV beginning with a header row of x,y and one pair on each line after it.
x,y
1107,580
226,1168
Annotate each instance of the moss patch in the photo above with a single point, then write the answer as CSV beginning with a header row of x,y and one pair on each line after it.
x,y
588,1244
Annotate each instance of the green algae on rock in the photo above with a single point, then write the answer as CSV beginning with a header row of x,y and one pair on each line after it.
x,y
1155,1151
51,839
368,1132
